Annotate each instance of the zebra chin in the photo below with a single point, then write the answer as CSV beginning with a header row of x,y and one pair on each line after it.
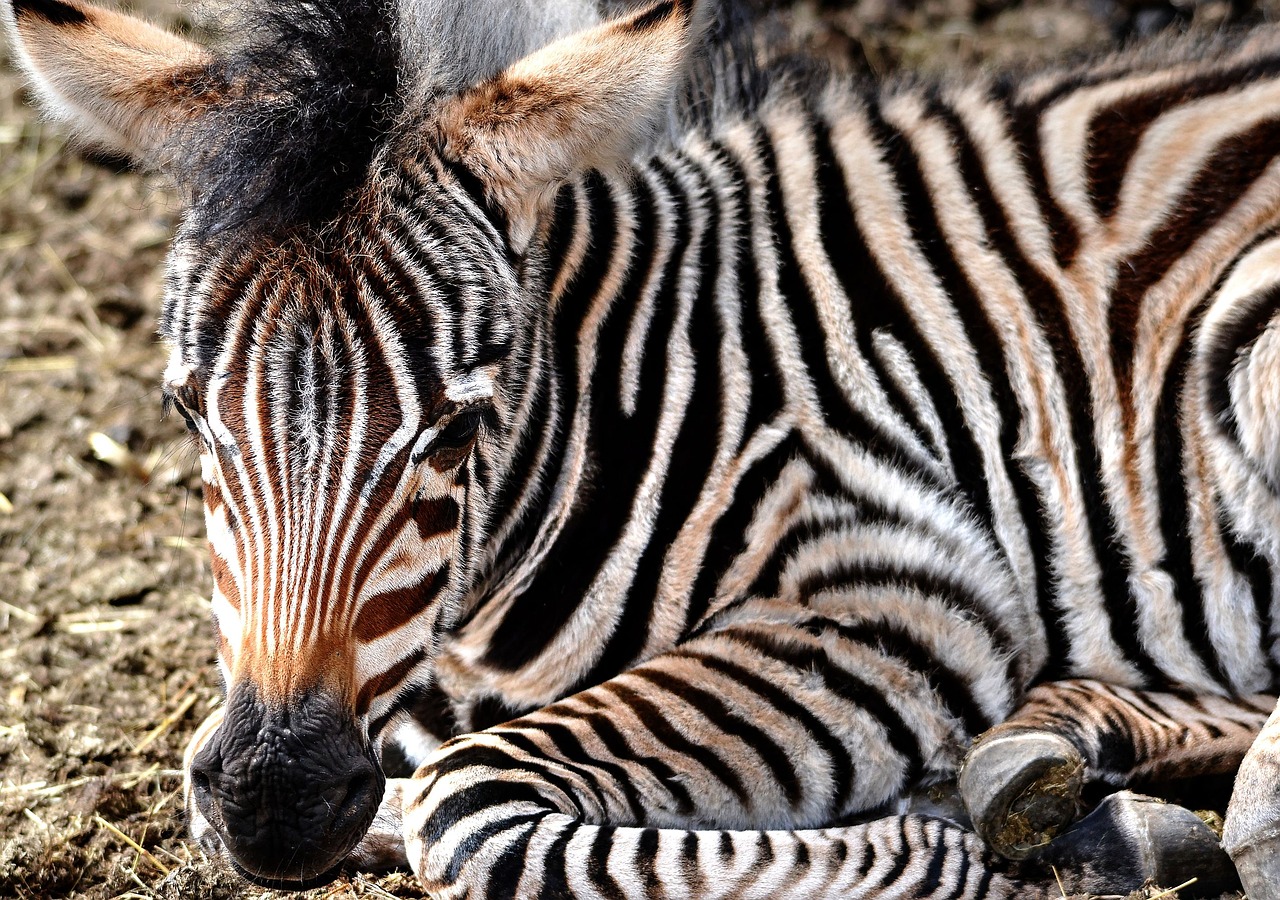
x,y
283,791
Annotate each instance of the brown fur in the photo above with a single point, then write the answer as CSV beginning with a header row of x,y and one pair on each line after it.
x,y
124,84
583,102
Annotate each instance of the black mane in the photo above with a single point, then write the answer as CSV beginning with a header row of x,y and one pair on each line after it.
x,y
307,89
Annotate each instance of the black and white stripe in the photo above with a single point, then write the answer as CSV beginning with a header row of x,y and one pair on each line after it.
x,y
803,449
897,376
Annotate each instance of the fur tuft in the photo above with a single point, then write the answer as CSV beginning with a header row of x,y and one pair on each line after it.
x,y
311,92
308,91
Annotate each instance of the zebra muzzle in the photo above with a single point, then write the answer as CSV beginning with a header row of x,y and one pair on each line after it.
x,y
290,788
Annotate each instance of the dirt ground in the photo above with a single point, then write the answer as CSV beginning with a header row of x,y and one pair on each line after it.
x,y
106,660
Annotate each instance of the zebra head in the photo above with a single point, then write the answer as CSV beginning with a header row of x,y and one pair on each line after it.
x,y
345,308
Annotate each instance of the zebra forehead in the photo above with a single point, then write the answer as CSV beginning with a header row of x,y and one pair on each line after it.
x,y
306,371
295,304
322,356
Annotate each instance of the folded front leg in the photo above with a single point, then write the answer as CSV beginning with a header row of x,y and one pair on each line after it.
x,y
1023,780
708,772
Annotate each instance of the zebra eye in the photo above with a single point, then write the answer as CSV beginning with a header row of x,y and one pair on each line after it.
x,y
454,442
186,400
173,400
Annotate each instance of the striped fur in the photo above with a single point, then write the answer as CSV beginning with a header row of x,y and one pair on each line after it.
x,y
674,517
1162,738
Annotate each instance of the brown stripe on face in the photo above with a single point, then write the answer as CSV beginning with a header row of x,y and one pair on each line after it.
x,y
435,517
431,518
384,682
224,579
384,613
212,497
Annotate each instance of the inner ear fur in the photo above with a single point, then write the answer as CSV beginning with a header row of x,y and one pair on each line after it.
x,y
586,101
119,83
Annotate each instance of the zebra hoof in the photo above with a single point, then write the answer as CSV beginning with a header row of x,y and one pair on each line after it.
x,y
1022,789
1252,832
1131,841
1258,865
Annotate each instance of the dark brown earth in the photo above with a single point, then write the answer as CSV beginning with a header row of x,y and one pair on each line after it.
x,y
106,662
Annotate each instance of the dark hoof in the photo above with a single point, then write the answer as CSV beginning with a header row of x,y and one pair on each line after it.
x,y
1022,789
1131,841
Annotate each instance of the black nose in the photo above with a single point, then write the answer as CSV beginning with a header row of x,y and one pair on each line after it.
x,y
290,787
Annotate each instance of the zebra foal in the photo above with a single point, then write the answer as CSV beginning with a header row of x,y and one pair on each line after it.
x,y
597,511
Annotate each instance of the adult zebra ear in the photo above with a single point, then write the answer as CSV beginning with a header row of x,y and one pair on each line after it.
x,y
119,83
586,101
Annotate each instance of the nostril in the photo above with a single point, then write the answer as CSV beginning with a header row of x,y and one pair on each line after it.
x,y
203,768
360,783
201,785
361,791
202,793
352,801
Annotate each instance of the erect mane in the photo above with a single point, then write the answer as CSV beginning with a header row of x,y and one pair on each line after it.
x,y
309,90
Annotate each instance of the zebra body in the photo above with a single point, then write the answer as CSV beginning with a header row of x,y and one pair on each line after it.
x,y
813,310
675,514
831,510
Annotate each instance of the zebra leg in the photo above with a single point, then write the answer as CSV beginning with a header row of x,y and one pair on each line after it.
x,y
1022,781
1252,832
706,772
1239,344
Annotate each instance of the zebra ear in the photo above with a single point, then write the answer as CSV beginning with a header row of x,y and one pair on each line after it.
x,y
120,83
586,101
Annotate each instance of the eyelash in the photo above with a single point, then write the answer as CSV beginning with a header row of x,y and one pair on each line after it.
x,y
173,402
455,440
461,430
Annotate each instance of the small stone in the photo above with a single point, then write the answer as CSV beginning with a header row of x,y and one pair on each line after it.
x,y
116,582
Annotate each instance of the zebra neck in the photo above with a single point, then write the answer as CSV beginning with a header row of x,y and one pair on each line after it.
x,y
605,394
